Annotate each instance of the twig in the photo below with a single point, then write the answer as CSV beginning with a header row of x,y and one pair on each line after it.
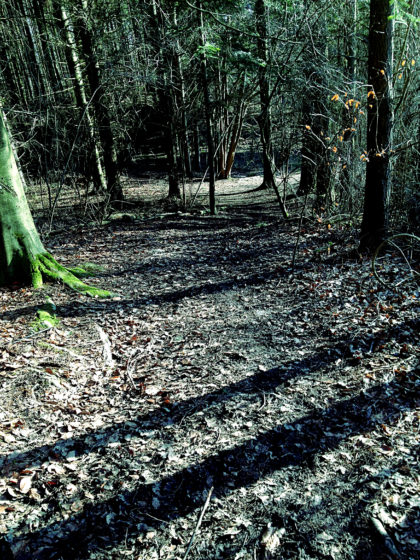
x,y
390,240
31,335
155,518
200,519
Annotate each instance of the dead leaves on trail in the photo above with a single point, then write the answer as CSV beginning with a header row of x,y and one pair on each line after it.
x,y
295,398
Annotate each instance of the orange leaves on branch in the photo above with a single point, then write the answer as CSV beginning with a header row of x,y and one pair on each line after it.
x,y
371,94
335,97
307,127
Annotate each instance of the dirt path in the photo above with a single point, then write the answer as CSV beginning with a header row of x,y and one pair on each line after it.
x,y
294,399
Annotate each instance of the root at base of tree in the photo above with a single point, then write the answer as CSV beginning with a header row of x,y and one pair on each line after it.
x,y
46,267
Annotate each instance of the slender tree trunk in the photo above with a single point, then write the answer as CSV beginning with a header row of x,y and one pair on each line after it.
x,y
379,126
196,163
209,121
232,129
100,109
311,135
264,119
45,38
184,141
80,94
166,67
349,113
234,138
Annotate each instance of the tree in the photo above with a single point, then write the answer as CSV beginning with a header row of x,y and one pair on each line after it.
x,y
264,119
73,62
99,105
379,125
23,257
209,115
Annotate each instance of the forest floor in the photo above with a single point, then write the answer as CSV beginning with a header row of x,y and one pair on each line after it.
x,y
220,405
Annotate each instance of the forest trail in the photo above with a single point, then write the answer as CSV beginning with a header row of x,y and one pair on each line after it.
x,y
292,397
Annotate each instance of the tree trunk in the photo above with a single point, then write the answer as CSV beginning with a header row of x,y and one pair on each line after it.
x,y
264,119
23,258
196,162
209,122
308,166
234,132
166,67
80,93
100,109
379,126
184,142
234,138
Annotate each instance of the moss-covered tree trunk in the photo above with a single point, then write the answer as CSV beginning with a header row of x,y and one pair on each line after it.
x,y
23,257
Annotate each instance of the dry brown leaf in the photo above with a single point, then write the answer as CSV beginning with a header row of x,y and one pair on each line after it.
x,y
25,484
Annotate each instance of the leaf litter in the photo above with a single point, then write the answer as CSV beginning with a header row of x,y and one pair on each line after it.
x,y
293,399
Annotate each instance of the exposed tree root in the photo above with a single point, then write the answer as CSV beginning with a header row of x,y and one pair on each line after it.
x,y
50,269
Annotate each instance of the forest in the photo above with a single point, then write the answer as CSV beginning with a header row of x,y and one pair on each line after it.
x,y
209,279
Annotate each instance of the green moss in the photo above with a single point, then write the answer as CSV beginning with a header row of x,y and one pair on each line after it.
x,y
36,275
85,270
51,269
80,272
46,318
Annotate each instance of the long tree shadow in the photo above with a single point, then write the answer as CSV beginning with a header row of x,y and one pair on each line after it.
x,y
260,382
294,444
77,308
102,526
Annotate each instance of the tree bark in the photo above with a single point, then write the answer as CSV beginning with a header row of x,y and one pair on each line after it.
x,y
23,258
100,109
209,121
165,52
264,119
80,93
379,126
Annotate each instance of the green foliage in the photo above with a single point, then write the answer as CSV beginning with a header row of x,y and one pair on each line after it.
x,y
247,59
209,50
403,12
